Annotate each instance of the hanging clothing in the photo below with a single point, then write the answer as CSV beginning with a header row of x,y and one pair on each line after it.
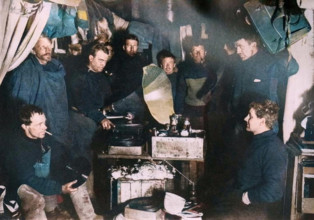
x,y
61,22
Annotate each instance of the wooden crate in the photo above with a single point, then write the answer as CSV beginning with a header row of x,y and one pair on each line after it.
x,y
178,147
125,150
124,189
307,203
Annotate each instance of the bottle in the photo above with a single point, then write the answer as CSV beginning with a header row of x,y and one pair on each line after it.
x,y
173,125
186,128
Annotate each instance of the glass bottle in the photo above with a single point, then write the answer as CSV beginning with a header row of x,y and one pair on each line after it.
x,y
186,128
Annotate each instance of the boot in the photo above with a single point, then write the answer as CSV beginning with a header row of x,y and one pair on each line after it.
x,y
82,204
12,209
51,202
59,214
2,194
33,203
90,185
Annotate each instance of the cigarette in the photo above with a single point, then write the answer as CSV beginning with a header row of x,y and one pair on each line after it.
x,y
84,176
47,132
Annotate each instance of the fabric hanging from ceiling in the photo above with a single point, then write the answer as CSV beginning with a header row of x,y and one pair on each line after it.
x,y
23,23
4,11
97,12
61,21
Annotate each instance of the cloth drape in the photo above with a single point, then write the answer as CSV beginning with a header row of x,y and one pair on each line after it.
x,y
21,25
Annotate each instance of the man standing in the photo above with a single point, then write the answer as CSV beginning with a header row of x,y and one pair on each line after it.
x,y
197,78
37,168
167,61
127,68
39,80
261,75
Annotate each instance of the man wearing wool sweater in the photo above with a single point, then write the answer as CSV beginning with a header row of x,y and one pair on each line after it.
x,y
260,183
37,169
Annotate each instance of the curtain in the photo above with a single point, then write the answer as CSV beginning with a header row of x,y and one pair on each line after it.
x,y
21,24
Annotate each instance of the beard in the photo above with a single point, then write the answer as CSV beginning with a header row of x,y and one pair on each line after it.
x,y
45,57
199,60
169,71
131,53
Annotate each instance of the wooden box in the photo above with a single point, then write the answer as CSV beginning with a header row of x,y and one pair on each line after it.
x,y
134,214
125,150
178,147
307,203
124,189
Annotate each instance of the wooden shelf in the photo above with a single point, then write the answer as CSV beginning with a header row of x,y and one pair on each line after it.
x,y
144,156
307,142
104,155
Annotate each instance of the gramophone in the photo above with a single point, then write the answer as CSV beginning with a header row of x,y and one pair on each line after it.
x,y
127,137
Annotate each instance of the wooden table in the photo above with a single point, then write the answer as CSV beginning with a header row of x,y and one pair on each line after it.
x,y
196,162
193,167
196,166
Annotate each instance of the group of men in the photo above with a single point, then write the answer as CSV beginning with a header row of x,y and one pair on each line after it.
x,y
38,170
75,105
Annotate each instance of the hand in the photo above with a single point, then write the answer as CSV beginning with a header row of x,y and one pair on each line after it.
x,y
106,124
129,116
67,188
109,108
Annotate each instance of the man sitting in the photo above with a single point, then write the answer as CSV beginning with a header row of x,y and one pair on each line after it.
x,y
88,89
260,183
37,169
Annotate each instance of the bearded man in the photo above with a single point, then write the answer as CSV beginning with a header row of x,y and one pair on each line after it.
x,y
39,80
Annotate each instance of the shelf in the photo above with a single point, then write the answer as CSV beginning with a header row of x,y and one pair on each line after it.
x,y
307,142
144,156
103,155
308,175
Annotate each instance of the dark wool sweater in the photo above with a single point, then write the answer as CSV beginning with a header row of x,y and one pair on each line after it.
x,y
88,91
263,76
21,156
263,173
127,75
